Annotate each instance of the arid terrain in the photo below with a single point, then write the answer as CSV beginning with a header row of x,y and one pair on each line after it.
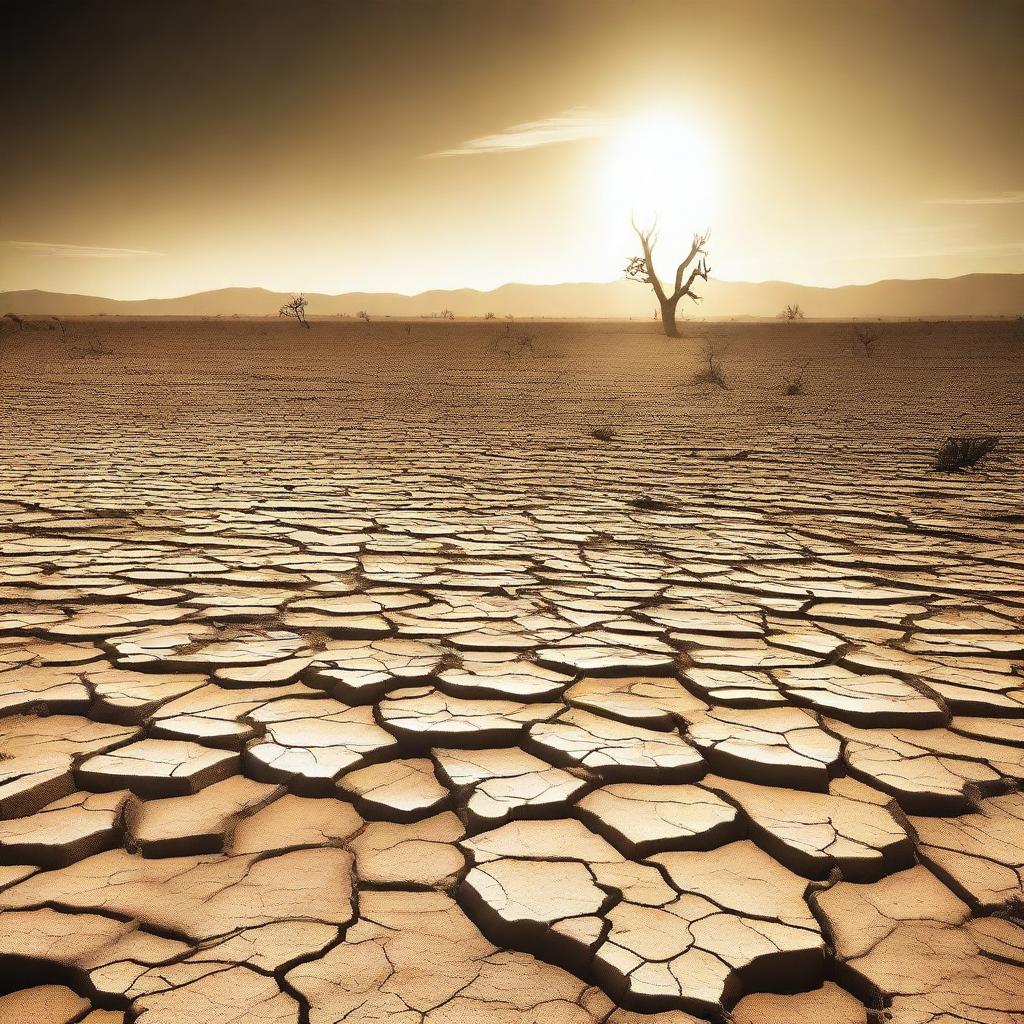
x,y
347,676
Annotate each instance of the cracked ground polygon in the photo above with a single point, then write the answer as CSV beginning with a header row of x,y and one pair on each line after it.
x,y
345,678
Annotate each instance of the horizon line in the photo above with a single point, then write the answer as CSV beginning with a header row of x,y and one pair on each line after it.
x,y
507,284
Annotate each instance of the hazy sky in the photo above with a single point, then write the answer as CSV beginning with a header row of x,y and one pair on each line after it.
x,y
158,148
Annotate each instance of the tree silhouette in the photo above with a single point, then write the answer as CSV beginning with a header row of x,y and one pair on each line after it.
x,y
641,268
296,309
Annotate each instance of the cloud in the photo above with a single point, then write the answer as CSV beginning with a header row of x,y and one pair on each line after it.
x,y
569,126
78,252
991,250
1002,199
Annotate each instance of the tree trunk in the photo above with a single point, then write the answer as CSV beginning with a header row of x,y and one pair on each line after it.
x,y
668,318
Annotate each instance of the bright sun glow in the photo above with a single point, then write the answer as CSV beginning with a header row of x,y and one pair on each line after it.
x,y
657,167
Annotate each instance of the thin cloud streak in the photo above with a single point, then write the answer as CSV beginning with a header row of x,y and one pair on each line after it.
x,y
995,249
569,126
79,252
1003,199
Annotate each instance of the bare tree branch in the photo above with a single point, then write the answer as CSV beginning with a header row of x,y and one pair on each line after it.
x,y
296,309
641,268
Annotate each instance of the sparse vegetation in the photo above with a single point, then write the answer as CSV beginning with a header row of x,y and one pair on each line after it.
x,y
641,268
12,322
649,504
792,312
407,328
296,309
92,349
711,372
603,434
795,385
865,337
963,452
363,315
513,345
489,316
446,314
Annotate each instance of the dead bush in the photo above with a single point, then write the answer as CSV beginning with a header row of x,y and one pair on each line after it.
x,y
514,345
296,309
795,385
648,504
711,372
963,452
92,349
864,337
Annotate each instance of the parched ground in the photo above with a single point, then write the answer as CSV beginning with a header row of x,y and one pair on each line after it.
x,y
344,676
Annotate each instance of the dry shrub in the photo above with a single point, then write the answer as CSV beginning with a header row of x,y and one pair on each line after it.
x,y
92,349
711,372
795,385
649,504
864,337
514,345
963,452
603,434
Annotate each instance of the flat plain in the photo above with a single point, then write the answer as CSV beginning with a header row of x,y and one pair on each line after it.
x,y
346,675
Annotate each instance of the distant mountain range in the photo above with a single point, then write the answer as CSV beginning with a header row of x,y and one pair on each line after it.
x,y
973,295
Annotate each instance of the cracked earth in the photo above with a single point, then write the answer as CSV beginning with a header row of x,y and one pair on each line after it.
x,y
343,679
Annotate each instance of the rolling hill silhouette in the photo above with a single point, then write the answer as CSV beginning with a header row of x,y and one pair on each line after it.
x,y
972,295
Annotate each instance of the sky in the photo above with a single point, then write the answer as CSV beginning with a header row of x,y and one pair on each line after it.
x,y
154,149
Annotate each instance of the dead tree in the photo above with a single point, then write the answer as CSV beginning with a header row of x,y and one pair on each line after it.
x,y
641,268
296,309
792,312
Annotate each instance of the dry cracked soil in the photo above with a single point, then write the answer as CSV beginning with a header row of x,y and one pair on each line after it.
x,y
345,676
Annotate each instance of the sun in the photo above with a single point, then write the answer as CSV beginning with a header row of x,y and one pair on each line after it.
x,y
657,166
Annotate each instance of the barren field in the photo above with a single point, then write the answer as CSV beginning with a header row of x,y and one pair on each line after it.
x,y
347,677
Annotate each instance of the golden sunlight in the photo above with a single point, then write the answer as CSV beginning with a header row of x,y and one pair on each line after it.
x,y
657,167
